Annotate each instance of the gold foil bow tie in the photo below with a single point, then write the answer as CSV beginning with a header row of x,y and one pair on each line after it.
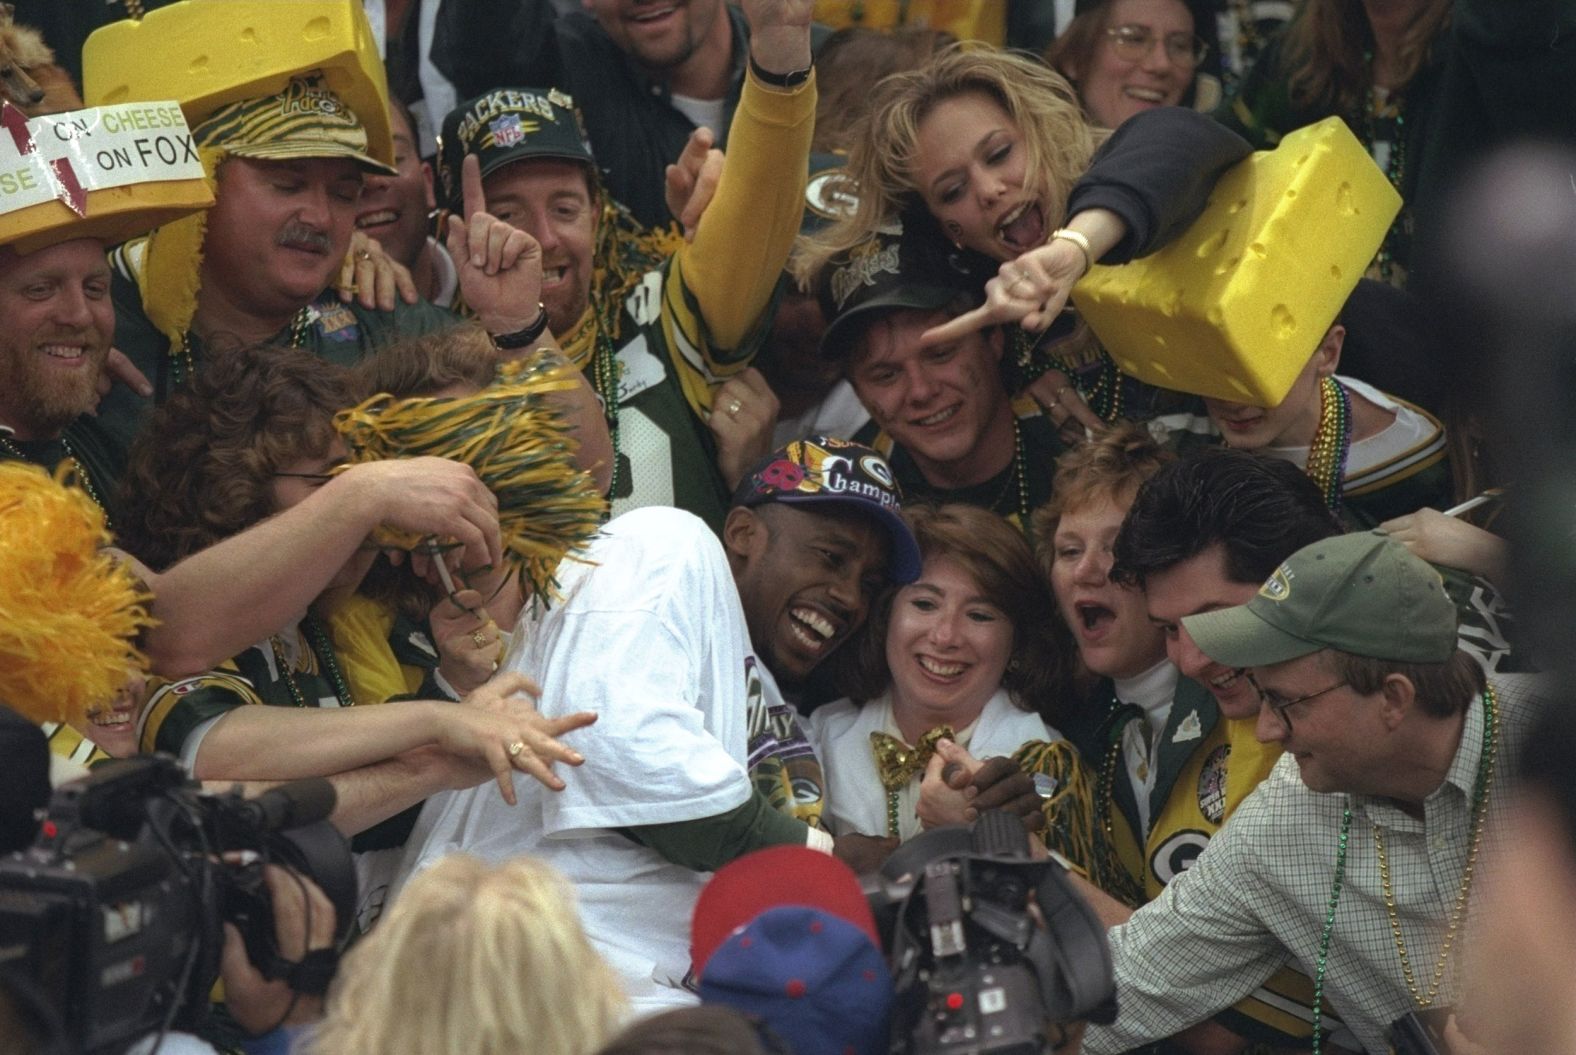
x,y
897,763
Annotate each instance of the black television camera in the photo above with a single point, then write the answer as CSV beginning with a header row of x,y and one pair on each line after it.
x,y
113,917
974,971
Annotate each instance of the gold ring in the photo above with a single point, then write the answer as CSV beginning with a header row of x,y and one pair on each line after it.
x,y
734,406
1057,395
516,748
362,254
476,636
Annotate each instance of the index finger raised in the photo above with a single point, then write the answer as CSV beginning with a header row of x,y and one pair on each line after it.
x,y
472,197
965,324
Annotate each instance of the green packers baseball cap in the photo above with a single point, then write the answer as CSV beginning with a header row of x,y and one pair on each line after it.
x,y
1363,593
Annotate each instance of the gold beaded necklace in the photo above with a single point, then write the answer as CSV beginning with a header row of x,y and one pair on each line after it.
x,y
185,365
1458,914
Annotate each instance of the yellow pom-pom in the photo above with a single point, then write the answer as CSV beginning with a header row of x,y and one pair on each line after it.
x,y
68,609
519,446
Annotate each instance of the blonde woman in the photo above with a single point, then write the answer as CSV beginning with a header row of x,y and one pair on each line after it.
x,y
474,959
986,157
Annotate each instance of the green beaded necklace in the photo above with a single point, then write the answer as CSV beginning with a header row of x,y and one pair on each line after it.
x,y
1479,809
316,640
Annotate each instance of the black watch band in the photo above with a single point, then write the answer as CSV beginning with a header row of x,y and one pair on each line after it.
x,y
526,337
779,80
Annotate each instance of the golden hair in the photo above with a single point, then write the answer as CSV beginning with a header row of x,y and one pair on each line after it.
x,y
474,959
1056,138
1324,59
996,555
1110,467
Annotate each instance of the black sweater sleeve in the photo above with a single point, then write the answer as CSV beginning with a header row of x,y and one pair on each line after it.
x,y
1156,172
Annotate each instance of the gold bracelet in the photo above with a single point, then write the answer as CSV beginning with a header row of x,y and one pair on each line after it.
x,y
1078,239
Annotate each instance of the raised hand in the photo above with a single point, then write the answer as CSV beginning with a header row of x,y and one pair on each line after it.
x,y
499,265
692,180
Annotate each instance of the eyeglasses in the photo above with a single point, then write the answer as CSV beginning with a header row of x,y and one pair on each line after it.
x,y
1279,704
1133,43
318,478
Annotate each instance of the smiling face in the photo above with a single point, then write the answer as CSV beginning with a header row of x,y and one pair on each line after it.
x,y
947,647
394,208
971,173
1337,736
807,577
1200,584
278,231
658,34
113,726
945,405
58,325
1109,621
551,201
1115,88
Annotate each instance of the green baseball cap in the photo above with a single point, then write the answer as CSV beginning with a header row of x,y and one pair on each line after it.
x,y
1363,593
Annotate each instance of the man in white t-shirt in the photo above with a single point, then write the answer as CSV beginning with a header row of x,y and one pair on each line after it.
x,y
648,632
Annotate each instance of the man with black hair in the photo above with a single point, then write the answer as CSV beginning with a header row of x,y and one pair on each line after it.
x,y
1202,534
1356,856
1206,530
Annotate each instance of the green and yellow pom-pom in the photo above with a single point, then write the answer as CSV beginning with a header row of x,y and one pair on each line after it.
x,y
520,447
68,609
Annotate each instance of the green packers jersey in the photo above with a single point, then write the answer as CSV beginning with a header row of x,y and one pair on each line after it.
x,y
652,333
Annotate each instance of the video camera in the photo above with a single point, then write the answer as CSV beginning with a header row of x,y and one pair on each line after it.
x,y
974,971
113,917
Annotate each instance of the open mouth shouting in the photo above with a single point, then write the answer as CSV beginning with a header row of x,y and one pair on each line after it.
x,y
1094,621
1022,227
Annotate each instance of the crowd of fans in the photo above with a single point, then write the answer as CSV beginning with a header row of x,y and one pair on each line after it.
x,y
656,469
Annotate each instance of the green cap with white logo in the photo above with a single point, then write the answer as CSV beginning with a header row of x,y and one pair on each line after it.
x,y
1364,593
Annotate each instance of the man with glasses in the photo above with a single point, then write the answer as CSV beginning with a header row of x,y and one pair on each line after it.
x,y
1355,858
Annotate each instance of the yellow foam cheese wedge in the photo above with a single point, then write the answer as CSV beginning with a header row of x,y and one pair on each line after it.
x,y
1234,307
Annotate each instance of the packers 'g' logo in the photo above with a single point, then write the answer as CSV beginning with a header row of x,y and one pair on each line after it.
x,y
1278,586
1177,854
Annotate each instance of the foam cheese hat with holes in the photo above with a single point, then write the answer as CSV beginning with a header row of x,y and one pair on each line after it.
x,y
110,172
207,53
1234,307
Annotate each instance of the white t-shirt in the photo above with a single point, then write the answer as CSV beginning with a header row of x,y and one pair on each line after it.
x,y
650,635
855,799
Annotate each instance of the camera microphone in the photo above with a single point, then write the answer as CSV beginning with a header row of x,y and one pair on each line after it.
x,y
292,805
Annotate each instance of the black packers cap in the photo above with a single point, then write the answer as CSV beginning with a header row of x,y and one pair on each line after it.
x,y
507,125
888,272
824,470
